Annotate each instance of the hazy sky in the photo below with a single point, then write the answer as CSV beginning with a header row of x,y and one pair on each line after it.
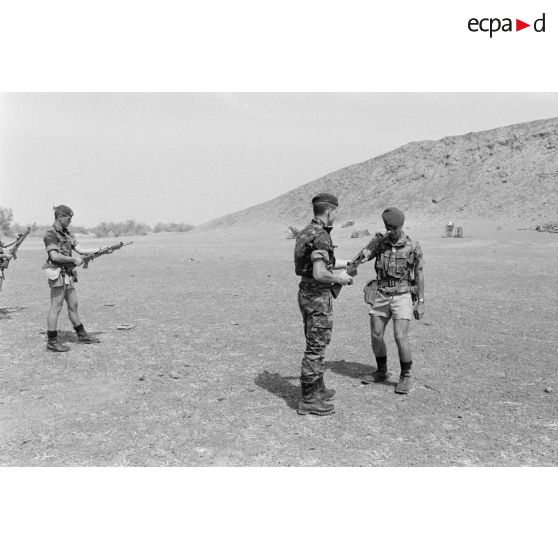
x,y
192,157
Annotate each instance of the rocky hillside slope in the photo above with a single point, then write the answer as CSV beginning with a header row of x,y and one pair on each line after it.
x,y
508,172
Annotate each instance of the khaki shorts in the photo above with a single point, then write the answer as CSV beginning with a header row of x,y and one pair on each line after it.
x,y
398,306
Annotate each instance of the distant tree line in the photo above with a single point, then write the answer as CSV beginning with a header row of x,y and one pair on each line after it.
x,y
172,227
126,228
6,218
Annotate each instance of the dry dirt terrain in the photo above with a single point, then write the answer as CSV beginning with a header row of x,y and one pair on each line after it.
x,y
209,373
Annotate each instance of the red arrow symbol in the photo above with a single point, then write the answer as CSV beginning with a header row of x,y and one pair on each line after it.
x,y
519,25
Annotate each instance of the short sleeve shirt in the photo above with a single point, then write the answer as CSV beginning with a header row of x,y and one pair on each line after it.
x,y
59,239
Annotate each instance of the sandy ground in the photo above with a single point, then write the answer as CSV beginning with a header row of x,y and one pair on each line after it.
x,y
209,373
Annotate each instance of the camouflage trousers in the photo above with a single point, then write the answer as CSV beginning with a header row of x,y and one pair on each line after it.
x,y
316,306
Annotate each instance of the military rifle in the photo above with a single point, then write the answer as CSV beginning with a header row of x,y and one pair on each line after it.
x,y
90,257
15,246
360,258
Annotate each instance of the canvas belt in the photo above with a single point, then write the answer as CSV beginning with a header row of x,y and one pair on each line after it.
x,y
394,283
312,281
394,286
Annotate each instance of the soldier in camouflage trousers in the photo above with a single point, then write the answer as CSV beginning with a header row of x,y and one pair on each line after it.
x,y
315,264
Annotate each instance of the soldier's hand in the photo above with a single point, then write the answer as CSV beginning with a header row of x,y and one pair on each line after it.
x,y
366,253
343,278
418,310
77,261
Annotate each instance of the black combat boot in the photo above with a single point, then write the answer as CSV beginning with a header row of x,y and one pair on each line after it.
x,y
87,338
323,392
55,345
403,387
311,403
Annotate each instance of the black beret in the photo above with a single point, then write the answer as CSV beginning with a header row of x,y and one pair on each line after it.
x,y
64,210
323,197
393,217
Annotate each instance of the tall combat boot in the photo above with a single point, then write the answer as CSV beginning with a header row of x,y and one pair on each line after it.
x,y
311,403
323,392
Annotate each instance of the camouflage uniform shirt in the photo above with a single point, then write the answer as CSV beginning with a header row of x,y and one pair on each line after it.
x,y
313,243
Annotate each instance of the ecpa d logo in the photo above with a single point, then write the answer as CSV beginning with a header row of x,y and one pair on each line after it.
x,y
493,25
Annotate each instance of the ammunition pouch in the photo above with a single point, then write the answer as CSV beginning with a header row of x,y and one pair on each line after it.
x,y
56,274
52,273
370,291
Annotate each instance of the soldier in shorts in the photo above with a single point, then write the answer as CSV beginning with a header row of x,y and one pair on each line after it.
x,y
399,266
315,264
59,244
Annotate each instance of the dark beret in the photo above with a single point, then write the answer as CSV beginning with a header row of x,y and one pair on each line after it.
x,y
393,217
323,197
63,210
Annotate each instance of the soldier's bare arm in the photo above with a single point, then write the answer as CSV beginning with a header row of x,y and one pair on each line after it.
x,y
57,257
323,275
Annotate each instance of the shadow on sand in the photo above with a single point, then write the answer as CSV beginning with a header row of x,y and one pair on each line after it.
x,y
280,386
6,311
355,370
